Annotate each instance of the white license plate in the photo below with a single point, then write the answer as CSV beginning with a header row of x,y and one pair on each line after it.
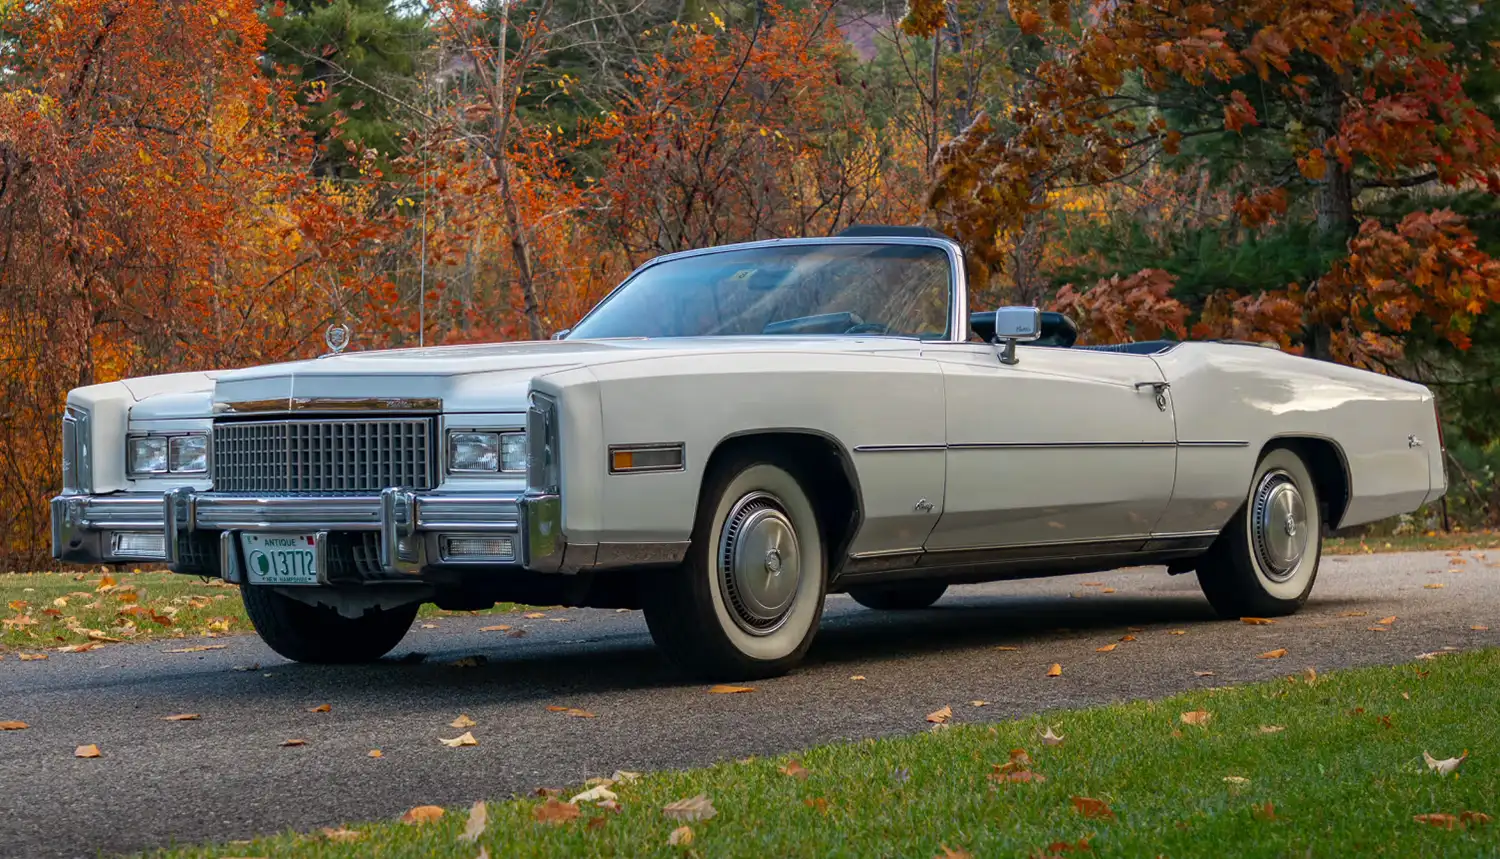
x,y
280,559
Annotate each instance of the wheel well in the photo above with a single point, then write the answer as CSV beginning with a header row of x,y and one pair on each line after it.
x,y
1330,472
823,468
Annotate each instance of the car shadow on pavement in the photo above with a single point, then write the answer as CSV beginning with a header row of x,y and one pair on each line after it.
x,y
990,621
622,660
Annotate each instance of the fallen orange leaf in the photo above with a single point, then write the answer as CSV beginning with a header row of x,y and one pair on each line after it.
x,y
1257,621
1265,812
1090,807
940,716
499,627
533,615
88,751
682,836
321,708
1055,670
1273,654
13,726
376,753
463,721
1480,628
422,814
1432,586
1387,621
1106,648
181,717
1445,821
294,742
1176,632
1128,638
726,689
794,768
1196,717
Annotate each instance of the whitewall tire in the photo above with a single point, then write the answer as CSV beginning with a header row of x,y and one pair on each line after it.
x,y
1266,560
747,600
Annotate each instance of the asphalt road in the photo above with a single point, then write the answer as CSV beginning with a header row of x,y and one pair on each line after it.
x,y
226,776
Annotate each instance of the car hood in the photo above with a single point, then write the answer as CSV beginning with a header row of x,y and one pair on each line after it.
x,y
486,377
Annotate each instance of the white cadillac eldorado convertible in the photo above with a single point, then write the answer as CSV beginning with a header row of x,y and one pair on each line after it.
x,y
730,436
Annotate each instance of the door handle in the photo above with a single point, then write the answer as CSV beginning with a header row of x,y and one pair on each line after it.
x,y
1159,389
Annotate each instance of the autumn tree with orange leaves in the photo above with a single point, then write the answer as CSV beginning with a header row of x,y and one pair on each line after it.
x,y
157,215
736,134
1303,109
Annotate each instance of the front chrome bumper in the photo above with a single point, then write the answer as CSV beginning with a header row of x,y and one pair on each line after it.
x,y
407,525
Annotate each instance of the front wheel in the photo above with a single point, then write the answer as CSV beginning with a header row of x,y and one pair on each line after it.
x,y
1266,560
746,601
318,634
900,597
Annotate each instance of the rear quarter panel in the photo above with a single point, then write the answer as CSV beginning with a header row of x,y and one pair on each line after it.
x,y
1250,396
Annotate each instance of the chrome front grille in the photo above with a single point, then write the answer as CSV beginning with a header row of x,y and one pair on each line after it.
x,y
337,455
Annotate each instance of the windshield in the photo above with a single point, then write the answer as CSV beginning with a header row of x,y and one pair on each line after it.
x,y
833,288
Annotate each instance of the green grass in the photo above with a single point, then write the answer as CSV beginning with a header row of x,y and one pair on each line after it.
x,y
1430,541
1344,778
42,611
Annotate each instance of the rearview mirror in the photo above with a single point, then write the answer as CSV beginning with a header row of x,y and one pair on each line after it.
x,y
561,334
1016,325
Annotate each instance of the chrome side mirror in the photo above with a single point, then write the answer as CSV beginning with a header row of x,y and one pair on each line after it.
x,y
561,334
1016,325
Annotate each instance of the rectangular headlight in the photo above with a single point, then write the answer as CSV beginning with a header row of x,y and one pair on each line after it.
x,y
513,452
473,452
188,454
147,454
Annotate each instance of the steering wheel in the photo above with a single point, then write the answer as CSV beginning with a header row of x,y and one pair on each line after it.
x,y
868,328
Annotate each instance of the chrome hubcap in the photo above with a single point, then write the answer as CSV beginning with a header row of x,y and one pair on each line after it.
x,y
759,563
1278,526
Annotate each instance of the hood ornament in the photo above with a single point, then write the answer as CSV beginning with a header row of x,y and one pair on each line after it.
x,y
337,337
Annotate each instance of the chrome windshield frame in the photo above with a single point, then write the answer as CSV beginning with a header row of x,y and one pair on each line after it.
x,y
958,287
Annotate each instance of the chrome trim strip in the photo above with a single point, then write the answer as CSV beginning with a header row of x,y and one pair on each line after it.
x,y
1213,444
1184,535
886,553
1040,445
1058,445
612,555
420,405
579,556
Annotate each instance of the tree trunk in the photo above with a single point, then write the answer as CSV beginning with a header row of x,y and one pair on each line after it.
x,y
1335,203
520,250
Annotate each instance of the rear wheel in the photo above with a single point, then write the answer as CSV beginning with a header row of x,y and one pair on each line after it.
x,y
746,601
907,596
305,633
1266,560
